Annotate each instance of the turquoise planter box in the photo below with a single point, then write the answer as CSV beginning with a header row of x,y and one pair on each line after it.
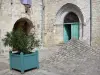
x,y
24,62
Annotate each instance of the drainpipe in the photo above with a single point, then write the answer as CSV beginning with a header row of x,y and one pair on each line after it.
x,y
90,22
0,42
0,7
42,22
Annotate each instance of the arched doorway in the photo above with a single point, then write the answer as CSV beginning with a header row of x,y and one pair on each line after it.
x,y
71,26
23,23
70,14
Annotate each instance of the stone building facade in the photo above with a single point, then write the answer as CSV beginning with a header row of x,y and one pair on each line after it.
x,y
12,11
95,22
54,18
48,17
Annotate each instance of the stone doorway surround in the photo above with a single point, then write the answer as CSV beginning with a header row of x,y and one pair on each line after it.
x,y
63,11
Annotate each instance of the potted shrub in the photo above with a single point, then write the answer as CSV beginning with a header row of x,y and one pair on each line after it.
x,y
23,59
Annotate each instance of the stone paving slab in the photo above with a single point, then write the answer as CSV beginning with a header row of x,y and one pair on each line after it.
x,y
73,58
33,72
43,54
3,66
3,72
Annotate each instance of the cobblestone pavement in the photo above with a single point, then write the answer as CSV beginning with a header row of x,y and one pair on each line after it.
x,y
3,66
73,58
44,53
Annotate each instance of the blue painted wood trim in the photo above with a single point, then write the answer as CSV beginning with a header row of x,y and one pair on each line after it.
x,y
10,59
22,64
37,53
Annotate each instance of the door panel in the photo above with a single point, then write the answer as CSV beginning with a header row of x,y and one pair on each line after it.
x,y
75,30
65,34
68,26
71,30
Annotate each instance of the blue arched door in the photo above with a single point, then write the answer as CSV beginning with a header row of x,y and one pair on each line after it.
x,y
71,30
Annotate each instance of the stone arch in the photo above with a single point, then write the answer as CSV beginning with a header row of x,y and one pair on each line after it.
x,y
24,23
64,10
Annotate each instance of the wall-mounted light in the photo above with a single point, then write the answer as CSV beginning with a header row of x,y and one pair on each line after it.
x,y
27,4
11,2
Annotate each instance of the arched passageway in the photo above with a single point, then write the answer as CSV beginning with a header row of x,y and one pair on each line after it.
x,y
23,23
71,26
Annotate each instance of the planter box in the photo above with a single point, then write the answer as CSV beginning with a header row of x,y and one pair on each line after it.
x,y
24,62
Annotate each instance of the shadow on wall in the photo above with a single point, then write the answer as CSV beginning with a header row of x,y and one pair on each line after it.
x,y
23,23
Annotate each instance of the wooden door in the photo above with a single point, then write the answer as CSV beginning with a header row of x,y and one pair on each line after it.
x,y
75,30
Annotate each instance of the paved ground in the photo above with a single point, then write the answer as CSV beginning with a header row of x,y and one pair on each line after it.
x,y
3,66
73,58
44,53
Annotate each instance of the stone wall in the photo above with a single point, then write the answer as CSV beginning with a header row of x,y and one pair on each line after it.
x,y
13,10
10,12
51,9
96,22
